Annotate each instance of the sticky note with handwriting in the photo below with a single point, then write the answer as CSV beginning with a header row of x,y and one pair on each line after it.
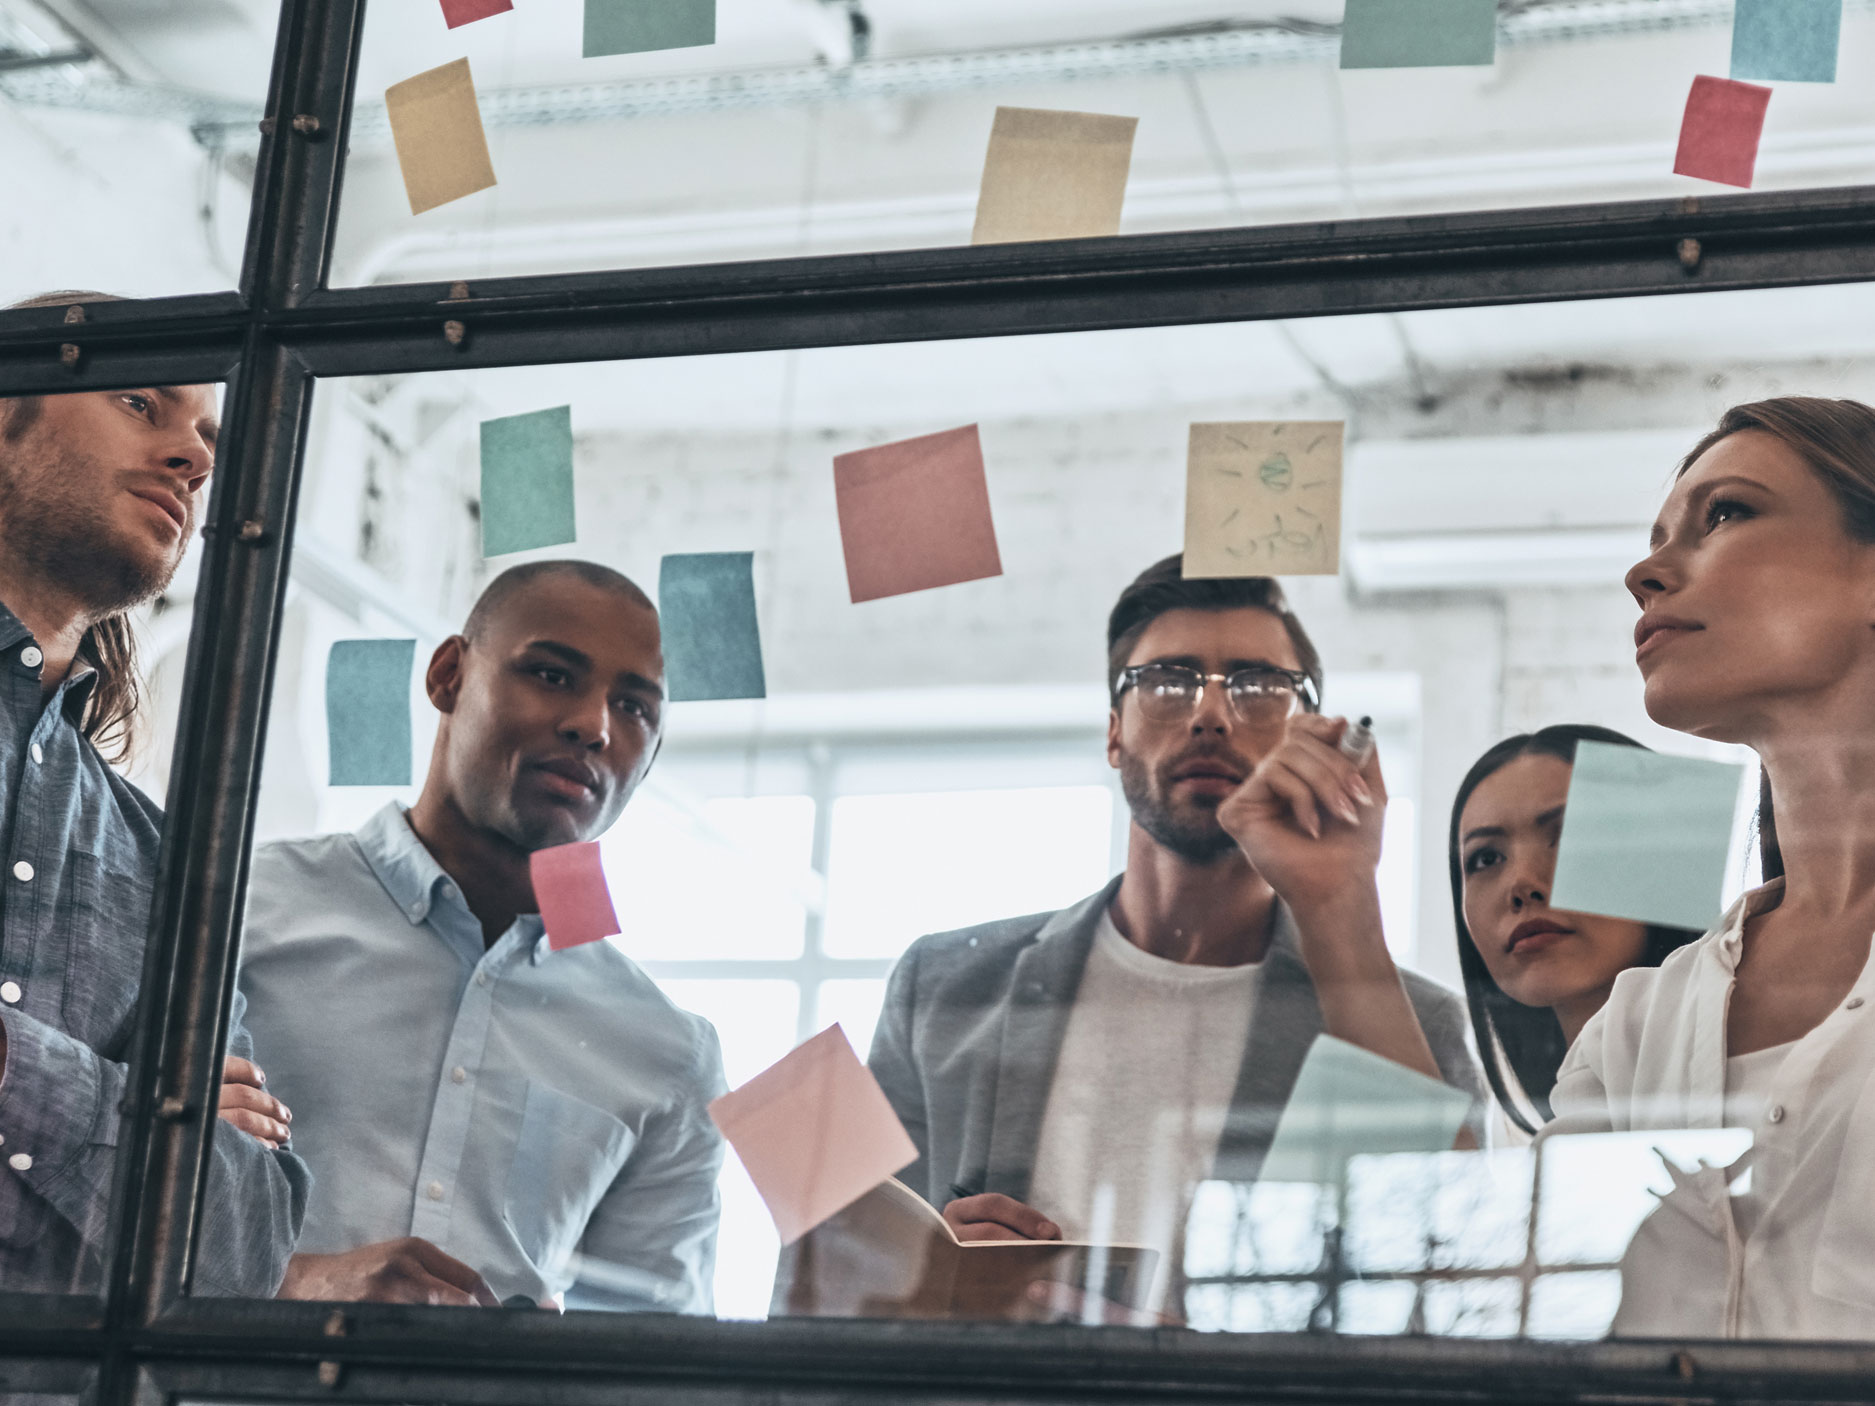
x,y
1053,175
1720,134
1349,1102
712,641
1793,40
915,515
1263,498
815,1132
575,902
457,13
436,127
1645,836
644,26
368,712
1419,33
527,482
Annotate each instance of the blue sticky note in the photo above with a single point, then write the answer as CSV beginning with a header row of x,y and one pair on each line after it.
x,y
1794,40
1419,33
368,711
712,644
527,482
642,26
1645,836
1349,1102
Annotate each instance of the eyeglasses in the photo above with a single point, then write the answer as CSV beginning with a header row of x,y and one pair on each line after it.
x,y
1261,696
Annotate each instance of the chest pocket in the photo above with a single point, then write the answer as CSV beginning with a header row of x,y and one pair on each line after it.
x,y
105,915
567,1157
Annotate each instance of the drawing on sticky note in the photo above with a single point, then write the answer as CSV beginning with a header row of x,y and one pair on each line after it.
x,y
1263,498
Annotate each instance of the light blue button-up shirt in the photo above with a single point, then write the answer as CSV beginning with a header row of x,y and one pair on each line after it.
x,y
539,1115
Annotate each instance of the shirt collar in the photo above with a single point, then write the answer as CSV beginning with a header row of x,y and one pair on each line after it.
x,y
411,875
408,871
1731,946
12,630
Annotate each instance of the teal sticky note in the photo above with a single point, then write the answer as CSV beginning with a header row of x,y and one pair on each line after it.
x,y
1350,1102
712,644
1419,33
527,482
1793,40
368,711
642,26
1645,836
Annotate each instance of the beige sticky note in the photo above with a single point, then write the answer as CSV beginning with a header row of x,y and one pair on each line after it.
x,y
437,126
1263,498
815,1132
1053,175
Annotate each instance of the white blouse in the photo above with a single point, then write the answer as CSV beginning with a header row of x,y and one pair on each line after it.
x,y
1803,1265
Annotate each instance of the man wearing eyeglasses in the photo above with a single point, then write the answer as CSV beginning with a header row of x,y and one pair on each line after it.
x,y
1076,1074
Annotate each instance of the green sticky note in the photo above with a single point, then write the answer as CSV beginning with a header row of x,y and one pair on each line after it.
x,y
1349,1102
1794,40
527,482
368,711
1419,33
712,644
641,26
1645,836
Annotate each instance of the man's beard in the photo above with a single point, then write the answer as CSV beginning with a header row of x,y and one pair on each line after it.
x,y
1196,839
49,524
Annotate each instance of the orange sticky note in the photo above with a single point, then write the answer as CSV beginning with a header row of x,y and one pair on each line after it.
x,y
815,1132
1719,138
436,126
575,904
915,515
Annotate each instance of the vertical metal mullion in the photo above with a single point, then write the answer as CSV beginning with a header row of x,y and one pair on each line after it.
x,y
821,768
187,985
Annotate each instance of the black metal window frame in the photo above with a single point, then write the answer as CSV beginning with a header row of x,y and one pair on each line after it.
x,y
146,1339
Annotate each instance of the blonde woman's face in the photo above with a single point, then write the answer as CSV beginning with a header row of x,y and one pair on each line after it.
x,y
1538,955
1754,596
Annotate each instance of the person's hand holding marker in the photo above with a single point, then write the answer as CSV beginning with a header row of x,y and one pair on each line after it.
x,y
1310,820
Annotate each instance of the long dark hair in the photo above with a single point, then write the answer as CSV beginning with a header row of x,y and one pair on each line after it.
x,y
1523,1046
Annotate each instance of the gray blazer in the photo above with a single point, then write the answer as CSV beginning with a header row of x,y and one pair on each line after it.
x,y
973,1023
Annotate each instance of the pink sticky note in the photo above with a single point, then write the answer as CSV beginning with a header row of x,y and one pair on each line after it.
x,y
457,13
815,1132
915,515
575,904
1719,139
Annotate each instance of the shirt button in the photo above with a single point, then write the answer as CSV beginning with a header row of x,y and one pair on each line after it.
x,y
1776,1115
31,657
481,978
458,1075
449,891
435,1190
37,752
23,872
10,992
1855,1003
20,1162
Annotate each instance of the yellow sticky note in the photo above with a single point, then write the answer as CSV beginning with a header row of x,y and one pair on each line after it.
x,y
1053,175
1263,498
437,126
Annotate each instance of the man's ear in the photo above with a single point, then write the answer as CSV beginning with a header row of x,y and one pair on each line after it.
x,y
443,679
1113,738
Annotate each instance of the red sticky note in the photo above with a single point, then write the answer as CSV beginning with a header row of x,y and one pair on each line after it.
x,y
575,904
457,13
815,1131
915,515
1719,139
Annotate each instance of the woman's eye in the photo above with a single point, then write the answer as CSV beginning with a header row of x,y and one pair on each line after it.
x,y
1480,859
1725,510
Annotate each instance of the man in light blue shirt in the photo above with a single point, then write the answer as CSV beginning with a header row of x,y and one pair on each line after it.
x,y
488,1119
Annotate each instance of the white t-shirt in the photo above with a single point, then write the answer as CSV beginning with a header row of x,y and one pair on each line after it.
x,y
1148,1065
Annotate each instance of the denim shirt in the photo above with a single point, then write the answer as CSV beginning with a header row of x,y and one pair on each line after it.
x,y
78,852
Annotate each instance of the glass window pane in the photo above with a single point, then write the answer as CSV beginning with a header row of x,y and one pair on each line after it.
x,y
906,865
752,855
818,129
855,1006
81,86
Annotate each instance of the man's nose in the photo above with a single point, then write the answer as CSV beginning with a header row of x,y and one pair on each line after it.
x,y
190,459
1213,711
589,727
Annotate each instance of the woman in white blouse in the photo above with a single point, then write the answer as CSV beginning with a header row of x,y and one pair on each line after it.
x,y
1758,627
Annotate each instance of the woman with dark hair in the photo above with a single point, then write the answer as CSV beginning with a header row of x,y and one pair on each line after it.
x,y
1757,626
1533,976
